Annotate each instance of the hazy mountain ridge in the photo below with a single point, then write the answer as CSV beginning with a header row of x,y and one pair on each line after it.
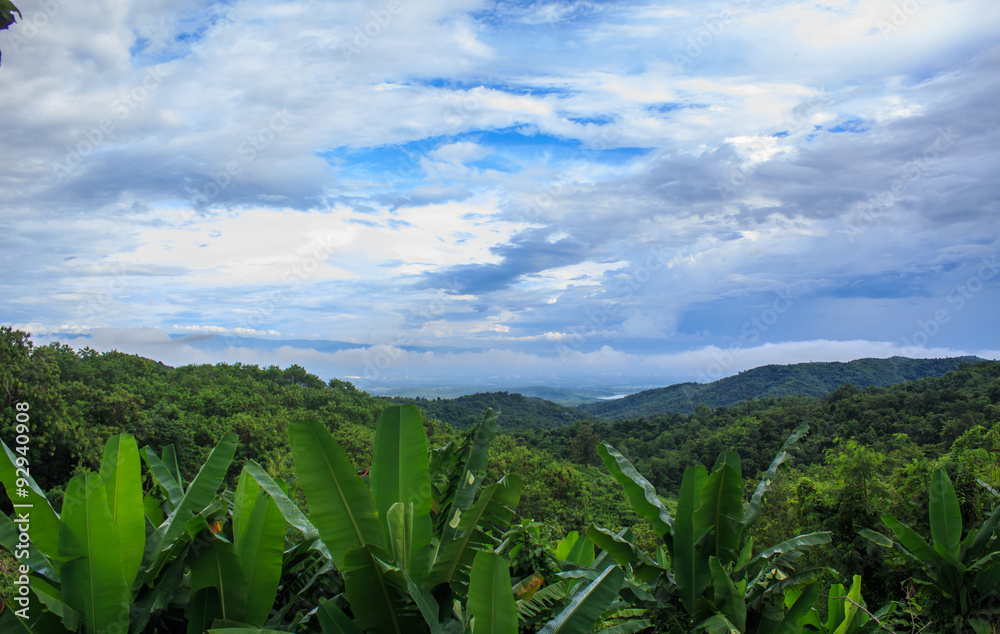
x,y
515,409
811,379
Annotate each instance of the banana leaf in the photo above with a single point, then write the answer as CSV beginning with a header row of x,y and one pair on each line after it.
x,y
587,604
784,454
728,599
491,601
340,504
122,477
92,572
399,474
945,514
691,570
44,520
641,494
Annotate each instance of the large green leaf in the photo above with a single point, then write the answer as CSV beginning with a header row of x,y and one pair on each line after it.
x,y
260,539
43,519
163,477
202,609
491,601
495,509
426,604
217,566
340,505
640,493
721,509
718,624
122,475
92,573
625,552
691,569
400,525
852,617
945,514
911,541
35,560
875,537
199,494
150,601
51,597
796,615
784,454
985,534
333,620
475,464
474,458
399,473
587,604
373,589
799,542
728,599
288,508
242,630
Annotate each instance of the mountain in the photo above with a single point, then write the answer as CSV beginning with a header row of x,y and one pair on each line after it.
x,y
810,379
515,410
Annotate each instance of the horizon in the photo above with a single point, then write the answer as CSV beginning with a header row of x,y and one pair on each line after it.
x,y
558,193
432,387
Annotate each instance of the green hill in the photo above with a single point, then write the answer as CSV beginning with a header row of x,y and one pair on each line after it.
x,y
515,409
810,379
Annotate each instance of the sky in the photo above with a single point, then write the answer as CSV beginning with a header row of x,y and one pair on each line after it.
x,y
503,192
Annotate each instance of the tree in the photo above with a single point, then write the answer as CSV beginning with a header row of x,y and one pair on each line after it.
x,y
7,11
584,446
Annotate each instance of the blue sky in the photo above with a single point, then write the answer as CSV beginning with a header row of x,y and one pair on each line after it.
x,y
503,193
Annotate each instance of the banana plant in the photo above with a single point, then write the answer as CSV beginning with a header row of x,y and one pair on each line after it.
x,y
407,543
963,573
846,611
709,565
112,560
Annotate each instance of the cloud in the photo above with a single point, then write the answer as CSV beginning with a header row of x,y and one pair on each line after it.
x,y
462,175
382,367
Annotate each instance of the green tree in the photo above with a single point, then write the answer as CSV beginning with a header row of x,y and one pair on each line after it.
x,y
584,445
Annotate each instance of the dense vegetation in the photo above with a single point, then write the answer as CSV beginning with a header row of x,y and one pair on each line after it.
x,y
808,379
517,410
831,550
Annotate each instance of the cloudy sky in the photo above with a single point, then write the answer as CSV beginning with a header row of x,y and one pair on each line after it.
x,y
505,191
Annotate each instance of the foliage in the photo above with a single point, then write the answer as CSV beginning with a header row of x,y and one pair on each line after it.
x,y
523,411
333,522
811,379
962,573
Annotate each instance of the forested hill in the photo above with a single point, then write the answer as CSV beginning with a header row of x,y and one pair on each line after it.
x,y
809,379
515,409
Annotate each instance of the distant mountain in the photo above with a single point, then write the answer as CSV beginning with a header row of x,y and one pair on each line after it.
x,y
515,410
810,379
